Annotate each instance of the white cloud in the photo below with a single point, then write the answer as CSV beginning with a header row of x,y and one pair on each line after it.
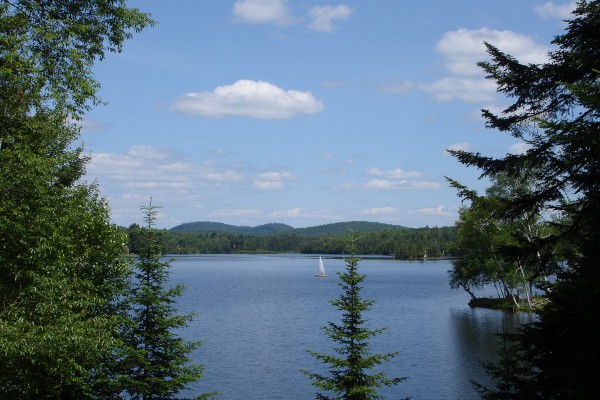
x,y
464,89
438,211
277,12
306,214
236,213
549,10
180,184
519,148
262,11
294,212
386,184
269,185
458,146
276,176
143,152
110,163
272,180
248,98
394,174
161,185
142,168
397,179
380,211
217,174
323,17
463,48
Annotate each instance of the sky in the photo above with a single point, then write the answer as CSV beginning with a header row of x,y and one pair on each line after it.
x,y
305,112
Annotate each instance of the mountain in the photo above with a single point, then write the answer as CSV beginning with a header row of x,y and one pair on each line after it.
x,y
209,227
334,229
345,228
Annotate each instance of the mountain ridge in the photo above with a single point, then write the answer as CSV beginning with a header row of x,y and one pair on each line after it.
x,y
335,229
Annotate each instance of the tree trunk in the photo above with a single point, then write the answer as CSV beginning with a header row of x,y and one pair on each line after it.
x,y
469,291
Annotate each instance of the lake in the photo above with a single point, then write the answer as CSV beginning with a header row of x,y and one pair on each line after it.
x,y
258,314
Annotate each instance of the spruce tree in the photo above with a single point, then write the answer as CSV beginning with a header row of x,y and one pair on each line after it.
x,y
156,362
349,371
556,110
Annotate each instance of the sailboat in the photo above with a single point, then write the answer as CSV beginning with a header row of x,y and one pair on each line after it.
x,y
321,273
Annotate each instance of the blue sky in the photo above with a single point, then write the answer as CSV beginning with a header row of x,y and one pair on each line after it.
x,y
304,112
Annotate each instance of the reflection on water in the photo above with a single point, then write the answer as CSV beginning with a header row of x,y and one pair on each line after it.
x,y
475,335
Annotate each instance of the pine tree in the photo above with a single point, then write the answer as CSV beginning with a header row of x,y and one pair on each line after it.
x,y
349,377
156,364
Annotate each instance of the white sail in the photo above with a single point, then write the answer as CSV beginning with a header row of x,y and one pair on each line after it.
x,y
321,272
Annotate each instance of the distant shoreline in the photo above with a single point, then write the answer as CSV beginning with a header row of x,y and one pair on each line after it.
x,y
331,256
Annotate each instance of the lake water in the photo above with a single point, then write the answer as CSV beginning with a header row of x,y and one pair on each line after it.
x,y
257,315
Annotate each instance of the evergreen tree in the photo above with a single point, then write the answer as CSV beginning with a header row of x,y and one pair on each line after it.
x,y
156,364
349,377
557,112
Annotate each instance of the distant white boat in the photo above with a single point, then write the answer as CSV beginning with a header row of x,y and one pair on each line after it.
x,y
321,273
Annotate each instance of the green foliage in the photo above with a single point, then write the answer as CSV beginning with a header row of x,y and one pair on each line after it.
x,y
62,260
343,228
556,110
57,319
209,227
349,377
62,264
54,45
156,363
335,229
403,243
495,248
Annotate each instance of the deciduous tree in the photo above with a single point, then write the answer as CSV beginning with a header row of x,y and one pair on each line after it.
x,y
61,260
492,244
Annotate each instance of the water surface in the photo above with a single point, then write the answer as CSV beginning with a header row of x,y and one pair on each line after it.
x,y
257,315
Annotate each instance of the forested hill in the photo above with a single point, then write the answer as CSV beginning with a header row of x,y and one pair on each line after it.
x,y
346,228
334,229
372,238
218,227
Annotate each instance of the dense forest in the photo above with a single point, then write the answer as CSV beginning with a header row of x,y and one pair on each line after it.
x,y
372,238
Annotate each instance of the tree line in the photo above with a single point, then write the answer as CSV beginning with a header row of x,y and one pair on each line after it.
x,y
402,243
